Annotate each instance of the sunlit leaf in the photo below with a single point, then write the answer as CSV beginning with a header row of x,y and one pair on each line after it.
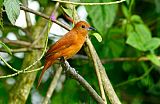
x,y
125,11
139,37
12,9
97,36
136,18
153,58
153,44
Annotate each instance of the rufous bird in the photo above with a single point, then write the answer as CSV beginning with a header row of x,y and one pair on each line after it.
x,y
67,46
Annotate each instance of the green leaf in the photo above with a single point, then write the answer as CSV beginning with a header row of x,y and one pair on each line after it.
x,y
6,48
125,11
1,3
136,18
12,9
102,16
153,44
43,2
69,12
153,58
1,19
157,4
114,44
128,2
139,37
97,36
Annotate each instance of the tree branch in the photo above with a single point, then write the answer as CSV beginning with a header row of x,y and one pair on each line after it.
x,y
106,82
72,72
20,43
44,16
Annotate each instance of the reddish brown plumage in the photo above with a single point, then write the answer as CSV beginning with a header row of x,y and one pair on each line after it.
x,y
67,46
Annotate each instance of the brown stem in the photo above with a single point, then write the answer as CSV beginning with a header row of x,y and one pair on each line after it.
x,y
28,19
44,16
121,59
20,43
72,72
106,82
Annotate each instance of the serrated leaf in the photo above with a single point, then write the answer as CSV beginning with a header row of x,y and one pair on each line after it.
x,y
7,49
12,9
102,16
97,36
153,58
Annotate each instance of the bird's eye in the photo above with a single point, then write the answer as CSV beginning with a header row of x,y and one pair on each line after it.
x,y
83,26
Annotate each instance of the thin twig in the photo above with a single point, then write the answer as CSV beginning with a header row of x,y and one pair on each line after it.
x,y
40,36
20,43
72,72
76,19
121,59
28,18
135,79
99,78
20,72
24,70
8,64
52,85
105,80
64,26
89,4
44,16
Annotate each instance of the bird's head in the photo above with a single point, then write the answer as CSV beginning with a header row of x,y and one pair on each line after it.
x,y
83,27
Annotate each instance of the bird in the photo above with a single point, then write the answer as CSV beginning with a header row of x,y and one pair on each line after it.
x,y
67,46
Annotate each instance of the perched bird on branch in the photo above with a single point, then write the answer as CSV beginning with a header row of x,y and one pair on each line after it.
x,y
67,46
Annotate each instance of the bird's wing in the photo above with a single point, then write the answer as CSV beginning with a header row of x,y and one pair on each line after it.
x,y
66,41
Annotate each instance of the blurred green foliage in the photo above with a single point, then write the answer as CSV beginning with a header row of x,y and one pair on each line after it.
x,y
130,30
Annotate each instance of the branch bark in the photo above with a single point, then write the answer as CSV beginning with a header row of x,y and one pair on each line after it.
x,y
72,72
106,82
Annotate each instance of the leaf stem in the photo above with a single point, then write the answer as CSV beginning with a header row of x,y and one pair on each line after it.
x,y
90,4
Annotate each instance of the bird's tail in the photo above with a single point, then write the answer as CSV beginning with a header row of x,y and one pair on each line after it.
x,y
46,66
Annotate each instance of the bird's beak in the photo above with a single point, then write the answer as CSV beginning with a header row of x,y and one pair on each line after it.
x,y
91,28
